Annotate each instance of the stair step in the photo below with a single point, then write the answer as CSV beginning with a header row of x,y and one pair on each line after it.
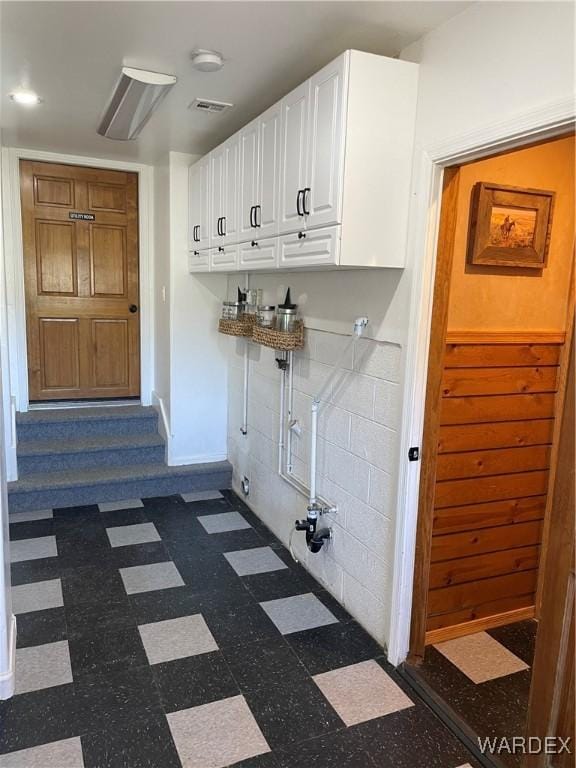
x,y
72,488
36,456
70,423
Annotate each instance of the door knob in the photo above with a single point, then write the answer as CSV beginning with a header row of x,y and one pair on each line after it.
x,y
133,308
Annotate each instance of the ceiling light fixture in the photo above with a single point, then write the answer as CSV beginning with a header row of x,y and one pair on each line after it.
x,y
25,98
207,61
137,94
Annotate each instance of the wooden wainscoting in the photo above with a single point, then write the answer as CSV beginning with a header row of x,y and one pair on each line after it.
x,y
493,462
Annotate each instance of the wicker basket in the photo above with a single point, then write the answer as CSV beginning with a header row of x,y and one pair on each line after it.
x,y
281,340
240,327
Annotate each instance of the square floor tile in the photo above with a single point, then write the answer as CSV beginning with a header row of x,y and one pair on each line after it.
x,y
146,578
295,614
480,657
201,496
42,666
94,584
216,735
362,692
333,646
91,618
176,638
33,549
195,680
141,533
268,664
37,596
144,743
226,521
25,517
114,506
58,754
38,627
247,562
107,652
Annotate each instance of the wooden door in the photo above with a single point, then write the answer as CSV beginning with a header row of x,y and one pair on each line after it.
x,y
80,237
323,202
551,707
295,109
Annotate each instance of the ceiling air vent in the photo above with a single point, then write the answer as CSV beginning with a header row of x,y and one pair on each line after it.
x,y
209,105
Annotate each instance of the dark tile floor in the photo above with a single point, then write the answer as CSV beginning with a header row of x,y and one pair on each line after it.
x,y
495,707
180,634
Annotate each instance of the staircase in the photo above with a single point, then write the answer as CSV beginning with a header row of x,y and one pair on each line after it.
x,y
71,457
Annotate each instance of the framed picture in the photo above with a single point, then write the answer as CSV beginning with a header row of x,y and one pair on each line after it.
x,y
509,226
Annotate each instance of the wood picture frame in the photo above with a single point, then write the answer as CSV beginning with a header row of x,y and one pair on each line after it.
x,y
509,226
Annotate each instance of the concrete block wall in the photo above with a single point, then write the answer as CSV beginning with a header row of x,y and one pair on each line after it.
x,y
357,460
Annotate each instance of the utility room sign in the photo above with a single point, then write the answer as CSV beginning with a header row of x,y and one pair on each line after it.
x,y
81,216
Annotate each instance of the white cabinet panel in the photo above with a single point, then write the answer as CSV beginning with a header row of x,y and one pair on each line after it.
x,y
257,254
217,190
295,109
198,261
268,203
199,204
309,248
230,195
248,180
323,199
224,258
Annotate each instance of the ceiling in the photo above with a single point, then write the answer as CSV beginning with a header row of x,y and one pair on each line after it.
x,y
70,53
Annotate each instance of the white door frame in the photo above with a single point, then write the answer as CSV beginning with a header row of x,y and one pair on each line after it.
x,y
544,122
15,263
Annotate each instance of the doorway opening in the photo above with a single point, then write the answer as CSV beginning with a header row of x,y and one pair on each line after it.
x,y
497,370
81,274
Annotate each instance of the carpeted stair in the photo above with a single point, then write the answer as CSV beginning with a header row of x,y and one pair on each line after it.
x,y
76,456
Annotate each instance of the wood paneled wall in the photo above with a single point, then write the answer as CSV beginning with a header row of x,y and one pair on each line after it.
x,y
496,427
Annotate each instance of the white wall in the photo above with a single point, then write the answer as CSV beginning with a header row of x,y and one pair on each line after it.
x,y
161,293
198,368
486,65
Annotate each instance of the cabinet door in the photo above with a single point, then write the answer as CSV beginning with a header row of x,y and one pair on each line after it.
x,y
217,160
203,182
224,258
230,197
263,254
269,171
323,201
309,248
198,261
295,108
194,206
248,180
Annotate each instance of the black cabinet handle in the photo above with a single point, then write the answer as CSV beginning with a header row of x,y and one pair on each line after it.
x,y
223,226
299,210
133,308
305,191
195,237
301,235
218,226
196,253
257,215
220,249
253,243
252,222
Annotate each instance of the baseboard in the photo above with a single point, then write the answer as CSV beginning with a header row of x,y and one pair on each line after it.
x,y
479,625
206,458
163,421
8,678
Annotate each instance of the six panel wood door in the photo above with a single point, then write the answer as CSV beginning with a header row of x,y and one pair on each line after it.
x,y
81,280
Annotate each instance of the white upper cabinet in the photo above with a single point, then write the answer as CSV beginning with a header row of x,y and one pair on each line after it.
x,y
295,108
268,193
248,181
199,205
323,177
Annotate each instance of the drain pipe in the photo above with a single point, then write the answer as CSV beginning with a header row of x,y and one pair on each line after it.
x,y
244,426
315,537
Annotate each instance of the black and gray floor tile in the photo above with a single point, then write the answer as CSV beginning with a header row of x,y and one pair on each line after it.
x,y
177,633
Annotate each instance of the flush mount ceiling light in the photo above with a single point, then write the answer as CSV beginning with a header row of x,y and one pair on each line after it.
x,y
25,98
137,94
207,61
